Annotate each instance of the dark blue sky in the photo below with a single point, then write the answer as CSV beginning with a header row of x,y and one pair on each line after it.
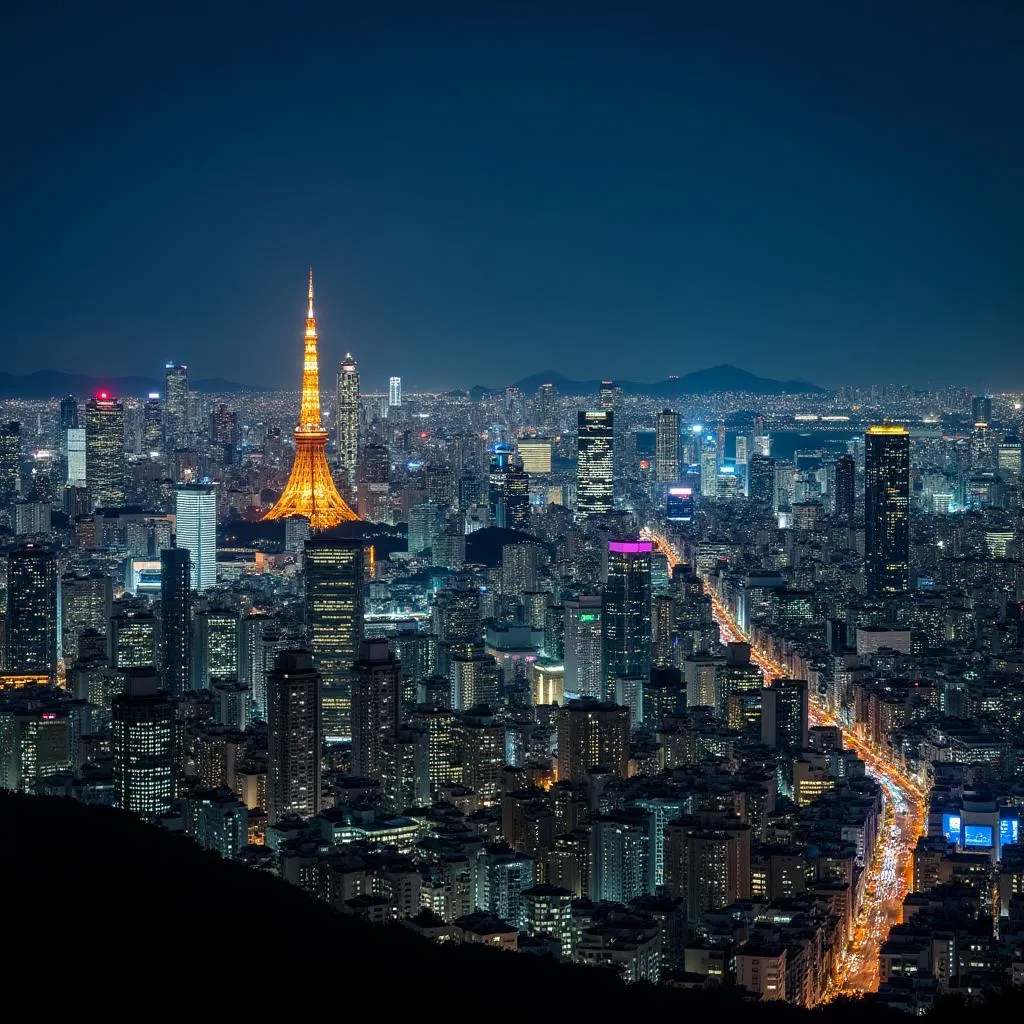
x,y
830,190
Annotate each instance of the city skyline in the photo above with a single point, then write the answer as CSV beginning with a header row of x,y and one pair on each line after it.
x,y
784,187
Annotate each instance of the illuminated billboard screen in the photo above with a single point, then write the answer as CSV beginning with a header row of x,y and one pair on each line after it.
x,y
978,836
1009,831
951,827
679,504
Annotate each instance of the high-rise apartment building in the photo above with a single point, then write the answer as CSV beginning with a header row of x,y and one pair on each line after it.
x,y
333,572
626,613
591,734
133,636
887,509
376,705
176,619
844,490
784,715
348,414
153,424
294,737
196,531
519,564
595,452
142,741
32,610
105,451
667,447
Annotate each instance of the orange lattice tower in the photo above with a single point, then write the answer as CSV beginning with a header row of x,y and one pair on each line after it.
x,y
310,490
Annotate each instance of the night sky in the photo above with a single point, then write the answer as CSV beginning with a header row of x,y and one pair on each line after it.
x,y
829,190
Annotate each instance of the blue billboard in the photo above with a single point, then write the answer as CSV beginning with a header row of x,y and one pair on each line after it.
x,y
977,837
951,828
1009,831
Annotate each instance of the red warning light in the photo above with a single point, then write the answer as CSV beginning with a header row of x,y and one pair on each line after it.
x,y
104,395
424,435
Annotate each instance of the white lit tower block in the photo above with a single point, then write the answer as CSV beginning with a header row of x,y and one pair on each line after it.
x,y
195,508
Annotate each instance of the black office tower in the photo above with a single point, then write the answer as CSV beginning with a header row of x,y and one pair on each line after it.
x,y
176,619
887,509
844,492
32,611
333,570
626,613
761,479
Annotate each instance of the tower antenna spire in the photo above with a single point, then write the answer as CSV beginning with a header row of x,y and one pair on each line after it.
x,y
309,315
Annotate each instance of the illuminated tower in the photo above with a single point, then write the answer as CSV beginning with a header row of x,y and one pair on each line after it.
x,y
310,490
104,451
667,447
348,415
887,509
594,463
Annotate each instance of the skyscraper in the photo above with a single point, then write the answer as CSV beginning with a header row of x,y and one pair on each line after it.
x,y
761,479
176,619
666,460
395,392
175,418
152,424
293,737
595,452
348,414
784,715
626,613
516,497
68,413
32,610
709,466
844,489
887,509
376,700
142,741
981,410
591,734
333,571
10,461
214,645
196,530
85,603
582,646
310,491
75,457
104,451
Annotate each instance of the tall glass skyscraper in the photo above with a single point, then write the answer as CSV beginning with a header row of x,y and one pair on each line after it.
x,y
626,613
844,490
176,618
10,460
887,509
595,466
395,392
104,451
348,415
195,508
333,570
666,459
175,406
32,610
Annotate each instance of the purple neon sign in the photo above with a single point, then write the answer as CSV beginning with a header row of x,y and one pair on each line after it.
x,y
630,547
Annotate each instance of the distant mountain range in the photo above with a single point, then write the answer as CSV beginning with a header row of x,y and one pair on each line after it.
x,y
715,379
53,384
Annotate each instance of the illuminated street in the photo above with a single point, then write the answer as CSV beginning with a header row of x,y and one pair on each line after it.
x,y
890,873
